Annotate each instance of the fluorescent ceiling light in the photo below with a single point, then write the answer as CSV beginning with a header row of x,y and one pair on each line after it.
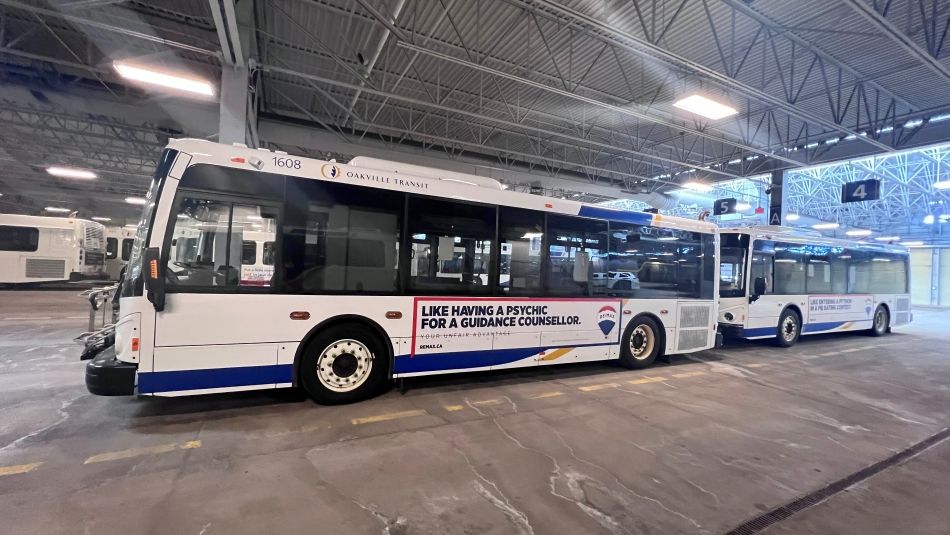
x,y
888,238
531,235
858,232
69,172
943,184
705,107
164,79
743,206
698,186
912,243
135,200
131,225
792,217
667,238
929,219
103,219
825,226
57,210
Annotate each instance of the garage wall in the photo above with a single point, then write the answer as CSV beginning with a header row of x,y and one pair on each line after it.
x,y
930,277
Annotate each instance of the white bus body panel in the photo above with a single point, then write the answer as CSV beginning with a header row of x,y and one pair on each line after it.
x,y
63,246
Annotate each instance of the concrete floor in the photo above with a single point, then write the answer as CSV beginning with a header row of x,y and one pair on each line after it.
x,y
699,446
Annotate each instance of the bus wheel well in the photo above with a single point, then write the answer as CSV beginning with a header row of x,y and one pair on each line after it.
x,y
351,319
661,335
796,310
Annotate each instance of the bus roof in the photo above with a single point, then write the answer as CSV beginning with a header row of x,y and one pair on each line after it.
x,y
410,179
41,221
808,236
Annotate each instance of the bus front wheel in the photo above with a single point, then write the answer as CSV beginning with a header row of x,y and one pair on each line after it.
x,y
641,343
343,364
789,328
882,322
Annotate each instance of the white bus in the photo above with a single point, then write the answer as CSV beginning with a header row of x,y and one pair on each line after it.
x,y
118,249
781,283
379,271
49,249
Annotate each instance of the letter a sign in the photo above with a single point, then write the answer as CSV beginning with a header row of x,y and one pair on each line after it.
x,y
775,215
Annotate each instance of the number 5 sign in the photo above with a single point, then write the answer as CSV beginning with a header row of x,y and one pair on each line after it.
x,y
863,190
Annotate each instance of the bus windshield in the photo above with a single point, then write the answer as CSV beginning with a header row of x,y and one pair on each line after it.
x,y
132,285
733,251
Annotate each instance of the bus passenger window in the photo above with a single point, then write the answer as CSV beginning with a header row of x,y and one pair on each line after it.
x,y
199,254
520,234
450,246
127,248
112,248
577,250
250,225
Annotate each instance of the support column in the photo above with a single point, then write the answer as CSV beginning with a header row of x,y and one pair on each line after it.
x,y
238,108
232,123
776,198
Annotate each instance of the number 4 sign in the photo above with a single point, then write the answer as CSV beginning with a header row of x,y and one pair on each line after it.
x,y
863,190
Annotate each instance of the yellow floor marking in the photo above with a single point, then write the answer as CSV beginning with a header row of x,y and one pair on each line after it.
x,y
688,374
646,380
388,416
138,452
453,408
546,395
18,469
756,365
592,388
487,402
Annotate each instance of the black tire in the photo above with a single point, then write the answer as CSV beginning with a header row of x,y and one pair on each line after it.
x,y
789,328
881,322
641,344
354,365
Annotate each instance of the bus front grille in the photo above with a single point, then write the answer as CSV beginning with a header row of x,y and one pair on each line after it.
x,y
693,316
45,268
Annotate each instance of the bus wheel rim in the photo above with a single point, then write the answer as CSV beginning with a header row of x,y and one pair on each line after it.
x,y
344,365
788,328
641,342
879,320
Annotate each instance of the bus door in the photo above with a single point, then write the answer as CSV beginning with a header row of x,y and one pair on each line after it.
x,y
215,290
764,306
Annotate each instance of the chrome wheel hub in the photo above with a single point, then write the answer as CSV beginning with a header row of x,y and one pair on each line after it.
x,y
788,328
344,365
641,342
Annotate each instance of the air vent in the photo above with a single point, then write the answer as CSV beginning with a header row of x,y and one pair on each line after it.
x,y
692,339
693,316
44,268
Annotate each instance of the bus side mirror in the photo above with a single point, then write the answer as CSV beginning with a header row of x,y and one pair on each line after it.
x,y
155,278
758,289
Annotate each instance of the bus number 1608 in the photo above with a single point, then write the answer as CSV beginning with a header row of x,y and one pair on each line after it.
x,y
289,163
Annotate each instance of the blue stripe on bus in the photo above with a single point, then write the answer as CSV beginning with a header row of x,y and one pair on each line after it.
x,y
174,381
639,218
760,331
824,326
461,360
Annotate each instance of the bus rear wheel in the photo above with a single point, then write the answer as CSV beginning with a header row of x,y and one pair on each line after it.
x,y
641,343
343,364
881,323
789,328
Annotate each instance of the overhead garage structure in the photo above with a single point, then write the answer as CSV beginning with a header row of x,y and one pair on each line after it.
x,y
572,97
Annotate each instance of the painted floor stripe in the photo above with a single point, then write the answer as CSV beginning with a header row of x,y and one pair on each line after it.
x,y
594,388
646,380
388,416
18,469
486,402
453,408
546,395
138,452
688,374
756,365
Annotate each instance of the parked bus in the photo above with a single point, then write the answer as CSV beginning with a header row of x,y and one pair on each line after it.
x,y
780,283
118,249
379,270
48,249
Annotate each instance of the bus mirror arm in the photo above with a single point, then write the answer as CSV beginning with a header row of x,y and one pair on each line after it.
x,y
155,278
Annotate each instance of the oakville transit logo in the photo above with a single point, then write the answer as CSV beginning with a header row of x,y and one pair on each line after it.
x,y
331,171
606,319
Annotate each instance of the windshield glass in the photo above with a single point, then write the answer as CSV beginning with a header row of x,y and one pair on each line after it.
x,y
132,285
732,276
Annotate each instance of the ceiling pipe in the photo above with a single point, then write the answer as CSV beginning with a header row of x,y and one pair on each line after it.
x,y
377,51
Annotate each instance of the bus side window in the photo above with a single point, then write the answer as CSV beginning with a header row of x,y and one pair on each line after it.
x,y
519,260
577,248
763,266
127,248
112,248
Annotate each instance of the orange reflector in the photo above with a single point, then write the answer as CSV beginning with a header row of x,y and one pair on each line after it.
x,y
627,311
238,159
548,205
299,315
664,311
393,315
135,344
153,269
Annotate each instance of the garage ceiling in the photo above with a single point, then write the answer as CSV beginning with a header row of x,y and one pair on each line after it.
x,y
575,92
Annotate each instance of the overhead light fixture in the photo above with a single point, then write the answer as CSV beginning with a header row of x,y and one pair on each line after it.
x,y
698,186
888,238
70,172
705,107
743,206
164,79
667,238
912,243
57,210
792,217
131,225
943,184
929,219
102,219
135,200
825,226
858,232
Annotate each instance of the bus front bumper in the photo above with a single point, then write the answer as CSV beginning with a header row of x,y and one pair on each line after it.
x,y
108,376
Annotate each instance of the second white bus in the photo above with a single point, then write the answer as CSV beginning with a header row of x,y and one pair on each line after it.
x,y
377,271
37,249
